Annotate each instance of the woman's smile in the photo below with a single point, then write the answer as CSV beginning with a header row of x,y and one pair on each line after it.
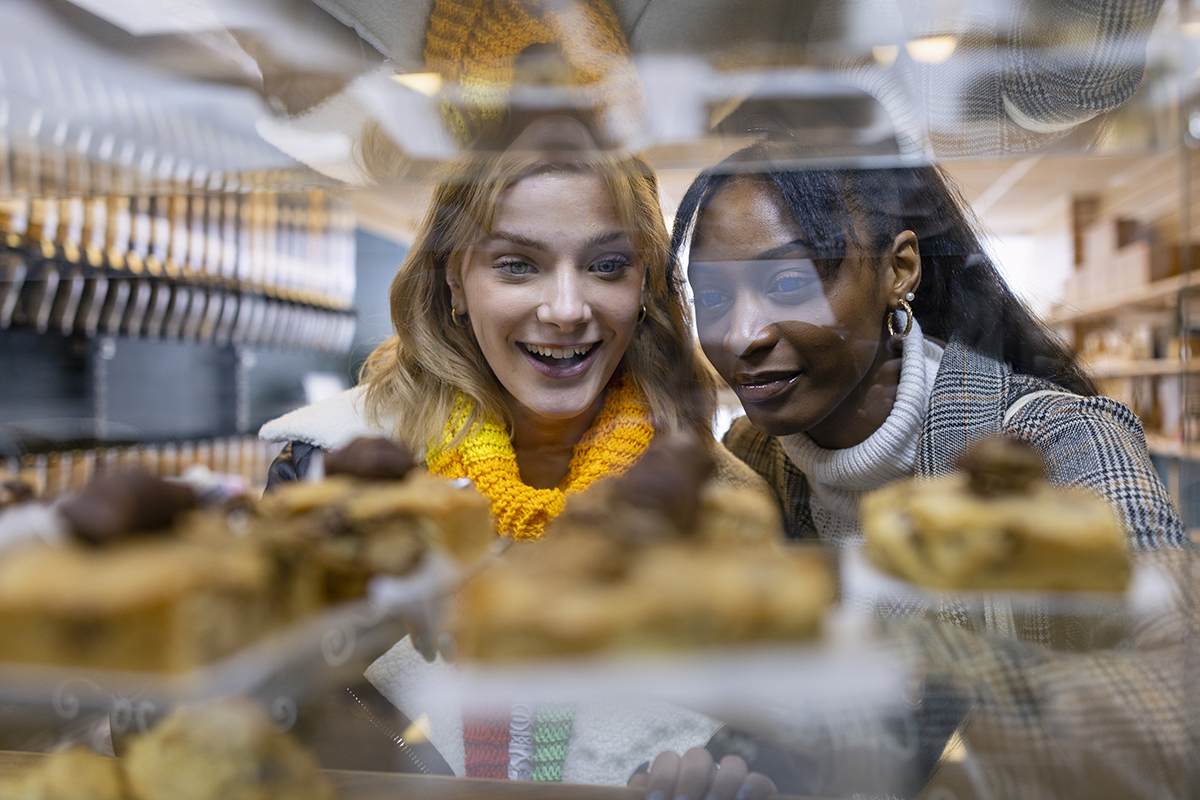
x,y
561,361
762,387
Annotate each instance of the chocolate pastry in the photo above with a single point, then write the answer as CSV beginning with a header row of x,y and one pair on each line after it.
x,y
350,528
997,526
371,458
116,504
658,559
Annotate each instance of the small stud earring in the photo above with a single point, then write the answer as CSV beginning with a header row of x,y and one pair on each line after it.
x,y
910,297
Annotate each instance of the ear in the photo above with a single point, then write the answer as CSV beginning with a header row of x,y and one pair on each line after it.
x,y
906,267
458,298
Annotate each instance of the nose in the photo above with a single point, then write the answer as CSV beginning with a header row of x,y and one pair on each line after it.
x,y
748,328
565,303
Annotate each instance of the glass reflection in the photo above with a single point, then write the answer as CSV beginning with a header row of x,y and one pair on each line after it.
x,y
185,197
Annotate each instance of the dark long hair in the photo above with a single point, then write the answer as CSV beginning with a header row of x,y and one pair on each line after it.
x,y
961,296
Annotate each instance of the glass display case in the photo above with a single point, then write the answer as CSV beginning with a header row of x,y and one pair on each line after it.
x,y
841,354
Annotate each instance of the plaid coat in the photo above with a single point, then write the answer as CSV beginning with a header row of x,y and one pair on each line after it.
x,y
1090,442
1047,706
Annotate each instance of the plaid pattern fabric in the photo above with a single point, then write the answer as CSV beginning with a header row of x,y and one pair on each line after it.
x,y
1050,705
764,454
1093,443
1035,71
1110,720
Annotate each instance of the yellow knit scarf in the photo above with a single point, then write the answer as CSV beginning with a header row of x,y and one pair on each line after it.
x,y
616,440
474,44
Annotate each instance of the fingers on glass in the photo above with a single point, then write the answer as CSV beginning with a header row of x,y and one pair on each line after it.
x,y
696,773
664,772
640,777
756,787
730,776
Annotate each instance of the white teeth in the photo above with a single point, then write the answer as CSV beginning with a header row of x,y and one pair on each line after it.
x,y
552,352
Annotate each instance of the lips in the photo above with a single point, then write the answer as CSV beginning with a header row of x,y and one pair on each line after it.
x,y
560,361
760,387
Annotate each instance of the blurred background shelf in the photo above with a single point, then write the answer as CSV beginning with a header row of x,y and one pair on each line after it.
x,y
1116,368
1159,294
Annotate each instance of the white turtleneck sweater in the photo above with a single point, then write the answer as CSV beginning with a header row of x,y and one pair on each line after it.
x,y
839,478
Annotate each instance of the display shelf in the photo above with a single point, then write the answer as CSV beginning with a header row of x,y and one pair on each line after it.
x,y
1166,446
1133,368
1159,293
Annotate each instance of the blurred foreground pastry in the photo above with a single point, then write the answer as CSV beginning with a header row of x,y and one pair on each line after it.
x,y
131,589
75,774
654,560
229,750
996,524
147,581
373,513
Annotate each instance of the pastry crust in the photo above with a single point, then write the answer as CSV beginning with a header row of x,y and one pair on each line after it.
x,y
159,605
169,600
228,750
75,774
346,529
938,533
614,578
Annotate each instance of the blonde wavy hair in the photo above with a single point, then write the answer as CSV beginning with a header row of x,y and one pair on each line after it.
x,y
414,378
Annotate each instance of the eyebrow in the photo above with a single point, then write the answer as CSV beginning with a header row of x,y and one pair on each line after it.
x,y
774,254
788,249
524,241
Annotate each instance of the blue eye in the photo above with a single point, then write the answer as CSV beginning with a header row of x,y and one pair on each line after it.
x,y
609,266
709,299
515,267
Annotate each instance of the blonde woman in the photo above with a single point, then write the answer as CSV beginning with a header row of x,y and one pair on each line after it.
x,y
542,341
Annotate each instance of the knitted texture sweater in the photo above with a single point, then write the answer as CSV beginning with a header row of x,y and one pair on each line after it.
x,y
839,478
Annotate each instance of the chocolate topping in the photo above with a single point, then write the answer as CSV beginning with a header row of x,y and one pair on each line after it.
x,y
371,458
669,477
121,503
1001,465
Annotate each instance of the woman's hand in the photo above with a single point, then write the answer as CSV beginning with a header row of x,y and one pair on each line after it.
x,y
694,776
422,600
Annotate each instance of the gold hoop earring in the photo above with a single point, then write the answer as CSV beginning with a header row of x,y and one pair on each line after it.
x,y
908,318
642,315
459,320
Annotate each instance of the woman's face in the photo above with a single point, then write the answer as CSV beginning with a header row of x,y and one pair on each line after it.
x,y
797,348
553,294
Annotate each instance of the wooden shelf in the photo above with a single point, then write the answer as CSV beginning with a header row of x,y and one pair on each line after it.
x,y
1114,302
1133,368
1163,446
